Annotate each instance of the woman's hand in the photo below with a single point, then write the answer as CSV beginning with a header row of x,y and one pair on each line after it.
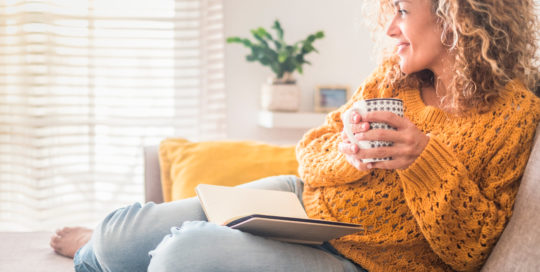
x,y
409,141
350,149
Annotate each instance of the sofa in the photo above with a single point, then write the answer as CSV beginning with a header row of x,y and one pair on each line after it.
x,y
518,249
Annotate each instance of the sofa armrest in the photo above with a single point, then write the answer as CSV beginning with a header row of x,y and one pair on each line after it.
x,y
518,248
152,176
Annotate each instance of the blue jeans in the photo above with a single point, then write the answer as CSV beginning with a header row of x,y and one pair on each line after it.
x,y
175,236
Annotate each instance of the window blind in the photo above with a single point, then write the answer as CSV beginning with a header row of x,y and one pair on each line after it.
x,y
84,85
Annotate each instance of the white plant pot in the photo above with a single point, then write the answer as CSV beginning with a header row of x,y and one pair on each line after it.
x,y
280,97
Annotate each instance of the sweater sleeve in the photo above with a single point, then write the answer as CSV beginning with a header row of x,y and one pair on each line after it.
x,y
462,214
320,162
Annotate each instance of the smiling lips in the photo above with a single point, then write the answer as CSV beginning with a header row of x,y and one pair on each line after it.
x,y
402,46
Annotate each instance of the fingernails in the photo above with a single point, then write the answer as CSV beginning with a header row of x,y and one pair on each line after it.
x,y
359,136
354,148
369,165
365,126
356,118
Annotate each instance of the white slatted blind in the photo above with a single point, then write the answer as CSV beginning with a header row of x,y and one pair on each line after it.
x,y
84,85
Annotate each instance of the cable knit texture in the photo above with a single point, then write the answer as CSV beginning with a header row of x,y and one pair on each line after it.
x,y
445,211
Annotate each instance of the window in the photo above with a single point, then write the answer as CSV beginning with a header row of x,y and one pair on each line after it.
x,y
84,85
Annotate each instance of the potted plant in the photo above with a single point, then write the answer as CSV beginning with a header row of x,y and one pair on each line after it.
x,y
281,92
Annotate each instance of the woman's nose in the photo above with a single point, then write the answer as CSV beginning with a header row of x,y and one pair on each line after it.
x,y
392,30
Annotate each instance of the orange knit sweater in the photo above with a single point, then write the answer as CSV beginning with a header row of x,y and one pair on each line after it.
x,y
447,210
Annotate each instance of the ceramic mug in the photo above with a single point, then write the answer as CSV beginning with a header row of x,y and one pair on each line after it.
x,y
362,107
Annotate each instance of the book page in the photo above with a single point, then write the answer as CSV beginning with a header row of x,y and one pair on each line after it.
x,y
222,203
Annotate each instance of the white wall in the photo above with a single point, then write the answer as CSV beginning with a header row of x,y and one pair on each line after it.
x,y
344,59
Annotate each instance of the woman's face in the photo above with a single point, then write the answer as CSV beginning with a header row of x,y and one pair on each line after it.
x,y
418,37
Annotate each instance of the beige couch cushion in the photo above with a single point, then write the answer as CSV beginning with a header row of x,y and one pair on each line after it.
x,y
30,252
518,249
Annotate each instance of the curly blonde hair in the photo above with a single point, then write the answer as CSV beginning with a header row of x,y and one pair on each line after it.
x,y
494,42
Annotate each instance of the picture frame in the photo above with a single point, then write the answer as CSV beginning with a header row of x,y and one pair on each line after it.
x,y
331,97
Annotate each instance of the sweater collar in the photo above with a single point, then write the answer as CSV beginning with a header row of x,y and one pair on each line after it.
x,y
415,105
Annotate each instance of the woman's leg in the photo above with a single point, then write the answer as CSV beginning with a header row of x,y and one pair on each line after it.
x,y
204,247
122,241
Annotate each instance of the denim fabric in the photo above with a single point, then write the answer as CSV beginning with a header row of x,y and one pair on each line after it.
x,y
218,248
175,236
85,260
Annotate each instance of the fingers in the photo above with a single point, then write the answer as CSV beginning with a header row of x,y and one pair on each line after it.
x,y
360,127
344,137
397,154
350,151
399,159
353,161
379,152
357,163
386,117
384,164
408,141
348,148
380,135
354,117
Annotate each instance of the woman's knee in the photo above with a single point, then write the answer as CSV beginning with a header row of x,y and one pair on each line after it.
x,y
116,243
129,233
201,246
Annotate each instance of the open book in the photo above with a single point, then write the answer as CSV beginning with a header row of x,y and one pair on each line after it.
x,y
273,214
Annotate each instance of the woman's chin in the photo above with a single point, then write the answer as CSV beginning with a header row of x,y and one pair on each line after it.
x,y
404,69
403,66
407,69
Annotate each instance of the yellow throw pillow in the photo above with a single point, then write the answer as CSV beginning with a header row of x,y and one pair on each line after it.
x,y
186,164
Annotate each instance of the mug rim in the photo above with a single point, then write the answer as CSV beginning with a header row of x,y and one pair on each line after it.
x,y
373,99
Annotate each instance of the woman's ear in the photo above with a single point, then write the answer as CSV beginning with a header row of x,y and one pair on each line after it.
x,y
448,34
448,31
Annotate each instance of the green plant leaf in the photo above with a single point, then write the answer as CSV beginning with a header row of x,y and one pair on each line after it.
x,y
247,43
259,35
282,57
234,40
279,30
276,53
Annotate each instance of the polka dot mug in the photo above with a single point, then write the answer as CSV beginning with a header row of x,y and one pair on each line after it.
x,y
362,107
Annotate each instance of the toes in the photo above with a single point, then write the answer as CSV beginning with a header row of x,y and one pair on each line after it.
x,y
56,238
58,250
54,244
64,231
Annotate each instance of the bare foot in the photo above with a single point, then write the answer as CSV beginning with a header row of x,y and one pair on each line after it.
x,y
68,240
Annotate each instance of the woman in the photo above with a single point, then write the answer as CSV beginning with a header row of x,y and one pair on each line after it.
x,y
463,70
